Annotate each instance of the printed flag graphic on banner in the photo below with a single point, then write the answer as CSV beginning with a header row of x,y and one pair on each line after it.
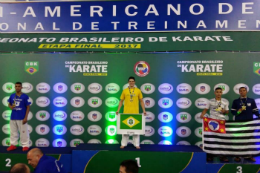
x,y
237,139
213,125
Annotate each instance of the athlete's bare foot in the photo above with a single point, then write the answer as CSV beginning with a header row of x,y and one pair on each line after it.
x,y
138,148
122,147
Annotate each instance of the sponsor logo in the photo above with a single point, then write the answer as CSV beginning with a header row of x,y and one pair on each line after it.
x,y
148,102
257,102
198,119
43,101
9,87
77,116
183,117
183,131
42,129
112,141
165,102
77,102
6,129
202,103
198,132
6,142
147,142
112,102
183,88
60,88
149,117
149,131
59,115
7,115
31,67
5,101
165,117
42,142
182,143
142,68
199,144
94,116
94,141
165,131
165,142
165,88
77,88
256,89
95,88
225,87
94,130
257,68
183,103
76,142
202,88
112,88
59,143
94,102
59,129
147,88
43,87
237,86
27,87
42,115
111,130
127,85
60,101
77,130
111,116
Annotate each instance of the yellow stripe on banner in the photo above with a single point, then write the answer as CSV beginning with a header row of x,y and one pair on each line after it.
x,y
59,157
258,170
89,161
221,168
90,46
189,162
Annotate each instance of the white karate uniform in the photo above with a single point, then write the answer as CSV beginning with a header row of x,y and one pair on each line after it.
x,y
125,138
18,128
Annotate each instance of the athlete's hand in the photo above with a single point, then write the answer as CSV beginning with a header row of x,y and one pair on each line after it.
x,y
223,111
144,113
201,116
117,112
25,121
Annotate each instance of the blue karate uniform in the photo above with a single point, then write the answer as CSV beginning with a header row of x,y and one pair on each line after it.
x,y
21,103
247,114
48,164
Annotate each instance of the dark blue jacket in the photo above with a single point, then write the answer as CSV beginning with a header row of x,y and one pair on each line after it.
x,y
245,114
48,164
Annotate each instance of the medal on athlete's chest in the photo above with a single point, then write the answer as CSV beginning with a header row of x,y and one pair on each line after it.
x,y
132,94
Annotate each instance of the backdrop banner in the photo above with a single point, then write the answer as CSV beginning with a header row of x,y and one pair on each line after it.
x,y
75,96
131,42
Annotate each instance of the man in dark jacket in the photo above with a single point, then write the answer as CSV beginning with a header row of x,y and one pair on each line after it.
x,y
42,163
244,109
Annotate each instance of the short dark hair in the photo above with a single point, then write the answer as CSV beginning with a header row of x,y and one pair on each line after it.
x,y
18,83
19,168
242,88
131,77
218,88
130,166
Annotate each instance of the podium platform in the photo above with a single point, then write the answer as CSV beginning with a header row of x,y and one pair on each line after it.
x,y
106,158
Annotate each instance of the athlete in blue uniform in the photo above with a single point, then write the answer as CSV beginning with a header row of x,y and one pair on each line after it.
x,y
42,163
20,105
